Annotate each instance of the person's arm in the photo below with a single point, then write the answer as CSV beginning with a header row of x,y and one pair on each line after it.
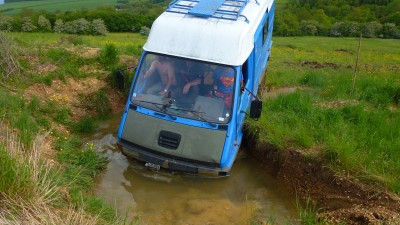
x,y
151,70
171,76
188,85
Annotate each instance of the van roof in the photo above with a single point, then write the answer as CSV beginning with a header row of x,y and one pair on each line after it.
x,y
220,40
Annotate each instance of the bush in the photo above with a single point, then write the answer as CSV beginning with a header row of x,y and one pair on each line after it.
x,y
371,29
390,30
109,56
82,26
6,23
44,24
345,29
309,28
59,26
27,25
98,27
145,31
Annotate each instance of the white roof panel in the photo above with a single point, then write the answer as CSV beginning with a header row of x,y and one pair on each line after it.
x,y
222,41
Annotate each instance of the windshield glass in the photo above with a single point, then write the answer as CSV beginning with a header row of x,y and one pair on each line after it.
x,y
186,88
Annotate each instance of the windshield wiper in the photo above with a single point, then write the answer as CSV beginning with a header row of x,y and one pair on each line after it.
x,y
202,118
160,106
197,114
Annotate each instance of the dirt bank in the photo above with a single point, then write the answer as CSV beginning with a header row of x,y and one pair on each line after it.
x,y
340,198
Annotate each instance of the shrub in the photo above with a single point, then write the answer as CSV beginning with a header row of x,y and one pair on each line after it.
x,y
59,26
345,29
6,23
390,30
44,24
27,25
336,30
109,56
69,28
82,26
98,27
308,28
144,31
371,29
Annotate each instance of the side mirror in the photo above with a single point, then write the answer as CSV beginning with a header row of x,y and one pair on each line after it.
x,y
255,109
120,80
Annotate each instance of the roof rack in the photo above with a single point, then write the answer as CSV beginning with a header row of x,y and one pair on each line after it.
x,y
220,9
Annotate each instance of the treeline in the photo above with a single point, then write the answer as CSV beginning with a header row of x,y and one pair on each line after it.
x,y
127,17
42,24
372,18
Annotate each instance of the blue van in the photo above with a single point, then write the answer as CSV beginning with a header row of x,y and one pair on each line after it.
x,y
196,79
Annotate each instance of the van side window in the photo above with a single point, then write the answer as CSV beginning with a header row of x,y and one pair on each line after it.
x,y
265,28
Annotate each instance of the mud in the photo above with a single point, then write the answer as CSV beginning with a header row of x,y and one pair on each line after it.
x,y
341,50
339,198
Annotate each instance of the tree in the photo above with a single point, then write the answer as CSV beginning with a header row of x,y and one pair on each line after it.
x,y
98,27
390,30
44,24
27,25
6,23
59,26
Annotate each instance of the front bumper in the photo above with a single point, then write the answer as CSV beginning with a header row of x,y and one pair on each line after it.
x,y
174,164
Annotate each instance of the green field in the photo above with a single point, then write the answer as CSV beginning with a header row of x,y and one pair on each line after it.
x,y
53,5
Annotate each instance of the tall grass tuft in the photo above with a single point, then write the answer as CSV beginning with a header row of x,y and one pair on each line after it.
x,y
308,213
109,56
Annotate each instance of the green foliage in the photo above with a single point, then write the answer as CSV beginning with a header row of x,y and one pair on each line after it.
x,y
44,24
85,125
89,161
27,25
145,31
109,56
308,213
6,23
340,18
98,27
59,26
15,176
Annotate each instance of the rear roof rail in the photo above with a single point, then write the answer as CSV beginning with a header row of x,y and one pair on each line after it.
x,y
220,9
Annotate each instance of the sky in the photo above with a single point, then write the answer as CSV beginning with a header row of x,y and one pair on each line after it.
x,y
1,2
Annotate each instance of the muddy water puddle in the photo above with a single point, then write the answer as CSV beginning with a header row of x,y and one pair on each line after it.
x,y
249,195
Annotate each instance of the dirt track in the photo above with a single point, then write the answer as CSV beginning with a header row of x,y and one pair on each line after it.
x,y
339,198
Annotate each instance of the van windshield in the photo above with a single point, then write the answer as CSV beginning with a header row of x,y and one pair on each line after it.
x,y
184,87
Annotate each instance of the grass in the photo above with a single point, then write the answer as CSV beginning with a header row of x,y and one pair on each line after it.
x,y
66,189
53,5
308,212
357,132
33,189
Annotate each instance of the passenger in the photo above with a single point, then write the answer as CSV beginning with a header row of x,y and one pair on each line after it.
x,y
191,75
166,72
223,86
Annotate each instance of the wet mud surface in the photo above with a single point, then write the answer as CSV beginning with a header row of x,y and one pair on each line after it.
x,y
339,198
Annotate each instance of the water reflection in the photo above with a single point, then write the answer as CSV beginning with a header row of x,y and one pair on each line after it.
x,y
163,198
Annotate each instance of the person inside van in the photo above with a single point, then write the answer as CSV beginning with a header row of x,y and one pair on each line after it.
x,y
190,74
224,78
166,72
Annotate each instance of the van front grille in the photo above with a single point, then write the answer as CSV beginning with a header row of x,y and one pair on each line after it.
x,y
169,140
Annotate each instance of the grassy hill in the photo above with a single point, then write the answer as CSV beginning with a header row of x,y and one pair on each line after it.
x,y
13,8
